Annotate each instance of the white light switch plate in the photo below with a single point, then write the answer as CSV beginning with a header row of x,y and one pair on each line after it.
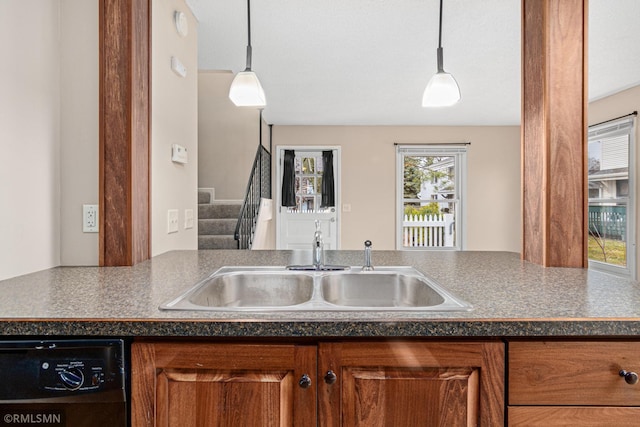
x,y
172,221
188,218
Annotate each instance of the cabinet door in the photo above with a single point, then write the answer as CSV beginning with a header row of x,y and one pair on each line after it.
x,y
215,385
411,384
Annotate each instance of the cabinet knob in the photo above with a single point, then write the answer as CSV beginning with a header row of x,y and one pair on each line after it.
x,y
330,377
305,381
629,377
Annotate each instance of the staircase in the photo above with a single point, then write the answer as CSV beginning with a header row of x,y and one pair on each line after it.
x,y
232,224
217,222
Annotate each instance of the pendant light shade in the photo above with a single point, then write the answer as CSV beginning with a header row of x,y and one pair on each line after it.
x,y
246,90
442,90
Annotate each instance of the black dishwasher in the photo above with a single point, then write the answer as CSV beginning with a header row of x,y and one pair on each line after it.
x,y
70,383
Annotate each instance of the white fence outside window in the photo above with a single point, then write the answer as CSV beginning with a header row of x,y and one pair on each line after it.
x,y
428,231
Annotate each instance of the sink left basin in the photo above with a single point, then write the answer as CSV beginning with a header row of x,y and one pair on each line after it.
x,y
251,290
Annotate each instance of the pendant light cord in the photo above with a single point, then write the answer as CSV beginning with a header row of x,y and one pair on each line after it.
x,y
249,35
440,26
439,51
249,22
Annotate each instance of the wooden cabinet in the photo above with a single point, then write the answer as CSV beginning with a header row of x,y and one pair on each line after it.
x,y
398,383
412,384
221,385
573,383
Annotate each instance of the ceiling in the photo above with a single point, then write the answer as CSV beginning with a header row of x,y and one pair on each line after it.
x,y
367,62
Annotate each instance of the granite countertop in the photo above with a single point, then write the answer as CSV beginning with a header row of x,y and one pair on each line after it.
x,y
511,298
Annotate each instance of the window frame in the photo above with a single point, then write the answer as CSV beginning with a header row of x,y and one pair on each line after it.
x,y
459,152
612,129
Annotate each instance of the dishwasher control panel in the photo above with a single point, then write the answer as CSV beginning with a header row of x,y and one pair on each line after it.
x,y
74,374
63,383
55,369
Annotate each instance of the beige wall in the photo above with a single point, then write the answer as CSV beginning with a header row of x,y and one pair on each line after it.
x,y
29,136
227,135
174,121
79,132
620,104
49,132
369,174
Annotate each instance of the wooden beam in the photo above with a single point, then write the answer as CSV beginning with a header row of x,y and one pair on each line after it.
x,y
554,124
125,40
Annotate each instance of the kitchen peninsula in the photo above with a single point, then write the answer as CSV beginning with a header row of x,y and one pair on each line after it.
x,y
559,336
510,297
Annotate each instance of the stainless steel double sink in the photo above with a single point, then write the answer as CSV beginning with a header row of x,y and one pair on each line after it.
x,y
278,289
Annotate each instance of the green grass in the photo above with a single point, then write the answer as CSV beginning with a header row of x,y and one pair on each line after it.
x,y
616,251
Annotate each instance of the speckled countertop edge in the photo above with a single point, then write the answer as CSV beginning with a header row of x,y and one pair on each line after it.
x,y
511,298
279,329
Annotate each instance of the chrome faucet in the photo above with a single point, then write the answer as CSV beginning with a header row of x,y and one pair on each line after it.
x,y
317,248
367,256
317,255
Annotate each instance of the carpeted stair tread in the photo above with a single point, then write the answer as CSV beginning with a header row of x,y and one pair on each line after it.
x,y
226,210
217,226
217,242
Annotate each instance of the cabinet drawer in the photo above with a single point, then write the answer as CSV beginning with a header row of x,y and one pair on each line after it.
x,y
573,373
554,416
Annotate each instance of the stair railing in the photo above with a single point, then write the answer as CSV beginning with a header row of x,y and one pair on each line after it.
x,y
259,186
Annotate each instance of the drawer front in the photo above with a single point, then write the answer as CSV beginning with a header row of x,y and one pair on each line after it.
x,y
573,373
553,416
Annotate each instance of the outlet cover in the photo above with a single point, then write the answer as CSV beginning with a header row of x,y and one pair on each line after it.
x,y
90,218
172,221
188,218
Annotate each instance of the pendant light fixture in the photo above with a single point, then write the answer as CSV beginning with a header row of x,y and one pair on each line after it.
x,y
442,90
246,90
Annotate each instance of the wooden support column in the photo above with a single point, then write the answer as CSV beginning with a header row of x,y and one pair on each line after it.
x,y
554,102
125,40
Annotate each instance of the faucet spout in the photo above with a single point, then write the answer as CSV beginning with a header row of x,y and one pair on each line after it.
x,y
318,256
317,248
367,256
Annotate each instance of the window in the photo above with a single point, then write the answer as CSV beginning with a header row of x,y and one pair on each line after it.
x,y
308,182
430,190
612,192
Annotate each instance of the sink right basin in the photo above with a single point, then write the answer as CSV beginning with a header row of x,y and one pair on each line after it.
x,y
374,289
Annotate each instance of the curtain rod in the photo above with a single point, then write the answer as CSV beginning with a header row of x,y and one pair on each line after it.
x,y
635,113
432,143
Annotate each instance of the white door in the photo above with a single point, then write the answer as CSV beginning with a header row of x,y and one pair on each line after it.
x,y
295,225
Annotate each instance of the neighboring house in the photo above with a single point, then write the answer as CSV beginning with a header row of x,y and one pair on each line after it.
x,y
440,186
608,186
609,168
